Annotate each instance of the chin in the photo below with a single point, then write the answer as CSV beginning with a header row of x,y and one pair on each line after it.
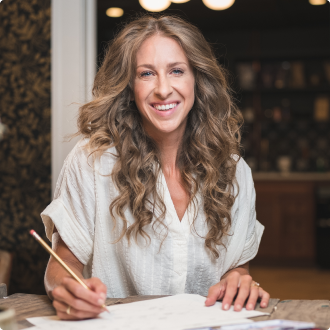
x,y
167,129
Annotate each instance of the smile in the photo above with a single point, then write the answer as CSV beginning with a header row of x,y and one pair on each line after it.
x,y
165,107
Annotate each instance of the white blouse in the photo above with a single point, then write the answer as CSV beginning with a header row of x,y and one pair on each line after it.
x,y
182,264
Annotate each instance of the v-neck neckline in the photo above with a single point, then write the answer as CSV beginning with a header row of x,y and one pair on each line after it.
x,y
170,201
178,228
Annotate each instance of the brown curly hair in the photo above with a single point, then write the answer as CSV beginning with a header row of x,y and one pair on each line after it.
x,y
212,136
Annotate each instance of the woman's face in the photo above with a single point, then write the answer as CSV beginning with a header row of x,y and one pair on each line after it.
x,y
163,86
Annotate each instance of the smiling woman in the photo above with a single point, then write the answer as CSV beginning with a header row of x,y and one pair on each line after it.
x,y
155,198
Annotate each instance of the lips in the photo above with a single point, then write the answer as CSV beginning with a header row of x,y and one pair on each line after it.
x,y
165,106
161,108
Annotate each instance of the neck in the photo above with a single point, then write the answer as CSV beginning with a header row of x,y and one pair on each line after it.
x,y
168,144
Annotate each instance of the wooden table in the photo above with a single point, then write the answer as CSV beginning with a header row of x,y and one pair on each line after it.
x,y
317,311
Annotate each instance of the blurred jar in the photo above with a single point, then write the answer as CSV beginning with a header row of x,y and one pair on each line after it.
x,y
284,164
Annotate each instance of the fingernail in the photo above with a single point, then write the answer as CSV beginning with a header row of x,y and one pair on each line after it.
x,y
250,306
102,295
226,307
207,301
238,307
263,304
100,301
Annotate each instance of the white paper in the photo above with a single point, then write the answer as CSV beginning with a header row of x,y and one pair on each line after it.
x,y
184,311
272,324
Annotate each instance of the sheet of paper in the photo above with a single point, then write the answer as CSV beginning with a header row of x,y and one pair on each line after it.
x,y
271,325
179,312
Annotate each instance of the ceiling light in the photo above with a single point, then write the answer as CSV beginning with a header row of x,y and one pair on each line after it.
x,y
180,1
218,4
114,12
155,5
317,2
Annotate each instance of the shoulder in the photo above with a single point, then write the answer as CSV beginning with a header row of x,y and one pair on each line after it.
x,y
243,175
243,170
84,155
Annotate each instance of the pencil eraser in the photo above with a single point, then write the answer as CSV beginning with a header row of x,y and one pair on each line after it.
x,y
32,231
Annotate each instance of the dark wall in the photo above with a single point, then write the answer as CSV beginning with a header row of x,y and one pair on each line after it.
x,y
25,157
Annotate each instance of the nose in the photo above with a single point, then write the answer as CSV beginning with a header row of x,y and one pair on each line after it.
x,y
163,88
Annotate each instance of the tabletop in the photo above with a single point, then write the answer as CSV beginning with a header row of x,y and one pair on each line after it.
x,y
317,311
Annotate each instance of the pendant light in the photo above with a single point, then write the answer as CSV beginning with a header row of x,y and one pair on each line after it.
x,y
155,5
114,12
179,1
317,2
218,4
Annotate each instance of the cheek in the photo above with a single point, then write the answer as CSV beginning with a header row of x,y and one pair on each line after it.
x,y
141,91
189,92
140,99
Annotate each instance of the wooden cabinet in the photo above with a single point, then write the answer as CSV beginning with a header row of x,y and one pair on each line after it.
x,y
287,210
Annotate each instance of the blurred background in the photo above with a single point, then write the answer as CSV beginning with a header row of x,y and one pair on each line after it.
x,y
278,58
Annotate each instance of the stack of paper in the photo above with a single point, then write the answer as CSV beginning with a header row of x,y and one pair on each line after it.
x,y
184,311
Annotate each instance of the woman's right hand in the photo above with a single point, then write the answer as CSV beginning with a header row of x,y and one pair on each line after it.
x,y
73,302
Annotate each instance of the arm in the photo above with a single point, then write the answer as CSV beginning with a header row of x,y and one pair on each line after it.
x,y
237,281
65,291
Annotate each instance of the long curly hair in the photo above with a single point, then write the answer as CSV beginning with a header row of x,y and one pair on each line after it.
x,y
206,155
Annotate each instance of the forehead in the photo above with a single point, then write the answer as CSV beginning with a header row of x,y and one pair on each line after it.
x,y
159,50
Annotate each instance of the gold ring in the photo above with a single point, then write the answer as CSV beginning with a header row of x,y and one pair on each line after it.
x,y
255,284
68,310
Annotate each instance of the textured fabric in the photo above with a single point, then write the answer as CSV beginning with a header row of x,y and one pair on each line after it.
x,y
178,264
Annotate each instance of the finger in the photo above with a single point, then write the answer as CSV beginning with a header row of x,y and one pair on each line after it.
x,y
60,294
62,308
96,285
65,316
231,290
264,298
243,292
215,293
79,291
254,294
81,316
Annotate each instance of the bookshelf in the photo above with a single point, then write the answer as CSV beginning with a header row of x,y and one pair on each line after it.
x,y
286,107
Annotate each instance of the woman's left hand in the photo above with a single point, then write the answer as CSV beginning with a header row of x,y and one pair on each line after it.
x,y
234,283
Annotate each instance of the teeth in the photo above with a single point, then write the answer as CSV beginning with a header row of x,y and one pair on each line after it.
x,y
165,107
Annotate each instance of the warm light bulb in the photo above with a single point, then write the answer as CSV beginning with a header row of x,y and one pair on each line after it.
x,y
317,2
114,12
218,4
180,1
155,5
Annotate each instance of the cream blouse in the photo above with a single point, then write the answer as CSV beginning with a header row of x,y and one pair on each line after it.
x,y
182,264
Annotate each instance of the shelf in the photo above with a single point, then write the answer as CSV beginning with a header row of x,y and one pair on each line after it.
x,y
291,176
286,90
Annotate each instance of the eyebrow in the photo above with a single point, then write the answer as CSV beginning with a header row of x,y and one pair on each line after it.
x,y
150,66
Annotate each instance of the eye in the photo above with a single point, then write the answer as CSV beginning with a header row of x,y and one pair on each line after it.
x,y
146,74
177,72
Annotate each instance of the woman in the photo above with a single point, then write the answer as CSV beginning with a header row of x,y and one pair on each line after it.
x,y
155,199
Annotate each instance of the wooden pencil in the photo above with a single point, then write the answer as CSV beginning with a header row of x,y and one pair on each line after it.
x,y
60,261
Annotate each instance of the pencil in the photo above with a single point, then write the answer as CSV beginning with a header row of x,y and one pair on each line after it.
x,y
61,262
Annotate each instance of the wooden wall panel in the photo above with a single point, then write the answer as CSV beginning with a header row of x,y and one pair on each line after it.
x,y
287,210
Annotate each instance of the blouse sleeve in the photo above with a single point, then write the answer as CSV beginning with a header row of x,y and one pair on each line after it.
x,y
73,209
247,201
246,231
